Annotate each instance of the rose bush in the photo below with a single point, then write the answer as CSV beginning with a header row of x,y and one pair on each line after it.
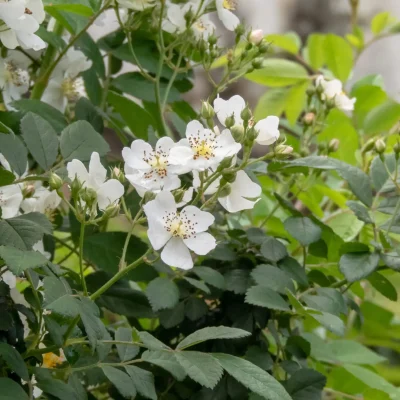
x,y
152,248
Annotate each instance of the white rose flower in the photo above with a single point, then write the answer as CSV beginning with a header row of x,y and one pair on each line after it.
x,y
65,85
150,170
19,20
108,191
43,200
178,231
334,90
225,14
203,148
137,5
268,130
228,108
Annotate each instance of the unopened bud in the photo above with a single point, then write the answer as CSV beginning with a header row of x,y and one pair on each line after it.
x,y
396,148
246,114
283,149
256,36
230,121
237,132
148,196
89,196
214,54
189,15
333,145
202,46
118,175
263,48
240,30
225,163
257,63
330,103
380,146
229,177
212,39
309,118
178,195
28,191
55,182
111,211
310,91
322,146
368,146
225,191
207,111
251,135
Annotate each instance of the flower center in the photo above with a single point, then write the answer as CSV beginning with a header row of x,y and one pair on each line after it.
x,y
51,360
199,25
158,161
73,88
179,225
15,75
230,5
204,146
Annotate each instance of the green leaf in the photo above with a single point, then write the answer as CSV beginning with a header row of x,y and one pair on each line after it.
x,y
10,390
327,300
352,352
79,140
20,260
56,119
210,276
151,342
54,387
287,41
265,297
273,278
73,6
86,111
253,377
360,211
58,297
260,357
136,118
279,72
272,102
379,174
6,177
346,226
198,284
162,293
237,281
172,316
203,368
303,230
383,286
41,139
382,118
358,181
273,250
195,308
316,50
24,231
121,381
338,56
294,270
380,22
211,333
89,47
143,381
355,266
368,97
126,352
329,321
295,102
167,361
14,151
374,394
14,360
306,384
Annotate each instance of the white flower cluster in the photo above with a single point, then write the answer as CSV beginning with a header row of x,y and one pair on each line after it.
x,y
333,90
200,153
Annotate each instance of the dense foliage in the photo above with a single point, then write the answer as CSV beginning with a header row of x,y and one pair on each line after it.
x,y
214,251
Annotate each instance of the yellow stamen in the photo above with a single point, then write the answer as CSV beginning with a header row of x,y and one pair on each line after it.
x,y
229,5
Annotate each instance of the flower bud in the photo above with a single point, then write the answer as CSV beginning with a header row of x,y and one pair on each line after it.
x,y
118,175
330,103
240,30
225,163
230,121
28,191
178,195
229,177
396,148
225,191
256,36
380,146
207,110
111,211
55,182
309,118
310,91
283,149
333,145
246,114
189,16
237,132
214,54
148,196
368,146
251,135
248,47
257,63
89,196
263,48
212,39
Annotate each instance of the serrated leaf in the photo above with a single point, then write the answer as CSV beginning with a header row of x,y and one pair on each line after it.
x,y
273,250
352,352
125,351
15,152
210,276
198,284
272,278
306,384
10,390
303,230
151,342
24,231
211,333
165,360
253,377
329,321
201,367
41,139
338,56
195,308
172,316
265,297
162,293
355,266
121,381
79,140
20,260
360,211
383,286
143,381
237,281
316,50
14,360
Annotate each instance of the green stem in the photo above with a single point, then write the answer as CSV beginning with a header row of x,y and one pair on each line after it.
x,y
35,342
118,276
81,239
